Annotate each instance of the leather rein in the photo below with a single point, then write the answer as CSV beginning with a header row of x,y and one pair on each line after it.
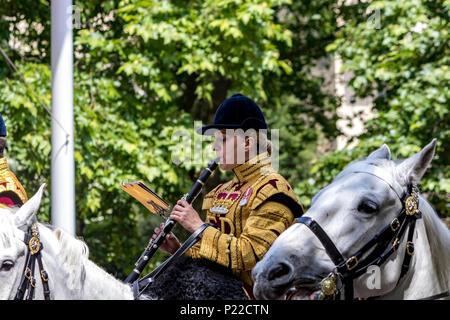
x,y
28,281
385,242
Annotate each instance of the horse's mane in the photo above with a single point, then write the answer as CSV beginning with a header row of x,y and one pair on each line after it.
x,y
72,255
439,240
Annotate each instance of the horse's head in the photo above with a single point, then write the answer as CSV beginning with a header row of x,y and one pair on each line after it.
x,y
13,224
362,199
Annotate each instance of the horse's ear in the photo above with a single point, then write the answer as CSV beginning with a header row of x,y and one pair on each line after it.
x,y
26,215
414,167
382,152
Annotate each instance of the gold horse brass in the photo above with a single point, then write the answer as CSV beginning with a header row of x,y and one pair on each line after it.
x,y
34,245
411,206
328,285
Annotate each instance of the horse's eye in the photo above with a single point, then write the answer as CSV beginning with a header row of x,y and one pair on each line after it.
x,y
367,206
7,265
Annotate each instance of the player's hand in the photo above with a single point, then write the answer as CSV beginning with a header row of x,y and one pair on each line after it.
x,y
170,244
184,214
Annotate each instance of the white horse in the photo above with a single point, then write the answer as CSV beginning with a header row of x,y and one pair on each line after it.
x,y
71,275
360,201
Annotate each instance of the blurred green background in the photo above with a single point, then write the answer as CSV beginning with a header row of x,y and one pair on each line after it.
x,y
145,69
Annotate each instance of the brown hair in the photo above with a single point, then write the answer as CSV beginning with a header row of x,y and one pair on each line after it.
x,y
263,144
2,145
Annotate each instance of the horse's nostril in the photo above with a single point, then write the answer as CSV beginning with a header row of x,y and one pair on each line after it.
x,y
281,270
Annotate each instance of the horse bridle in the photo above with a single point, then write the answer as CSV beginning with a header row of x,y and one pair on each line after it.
x,y
385,242
28,281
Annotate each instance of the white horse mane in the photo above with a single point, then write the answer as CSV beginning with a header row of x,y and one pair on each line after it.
x,y
72,256
439,245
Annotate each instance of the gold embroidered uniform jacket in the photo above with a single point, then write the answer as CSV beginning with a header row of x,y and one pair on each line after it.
x,y
12,192
248,212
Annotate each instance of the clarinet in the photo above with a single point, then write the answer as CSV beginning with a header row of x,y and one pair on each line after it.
x,y
154,244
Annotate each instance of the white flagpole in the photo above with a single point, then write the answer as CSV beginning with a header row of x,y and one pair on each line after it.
x,y
63,166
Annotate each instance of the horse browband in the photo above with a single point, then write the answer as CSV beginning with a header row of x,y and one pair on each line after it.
x,y
28,282
386,242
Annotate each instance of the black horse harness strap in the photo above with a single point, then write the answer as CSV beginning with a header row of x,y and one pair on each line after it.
x,y
384,242
140,285
329,246
28,282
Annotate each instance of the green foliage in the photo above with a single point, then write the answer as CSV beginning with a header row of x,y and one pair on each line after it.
x,y
402,61
302,105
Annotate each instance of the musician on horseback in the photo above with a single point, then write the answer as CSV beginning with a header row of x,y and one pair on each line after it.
x,y
12,193
248,212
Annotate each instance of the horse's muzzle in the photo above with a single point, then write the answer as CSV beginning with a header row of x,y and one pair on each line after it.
x,y
272,281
